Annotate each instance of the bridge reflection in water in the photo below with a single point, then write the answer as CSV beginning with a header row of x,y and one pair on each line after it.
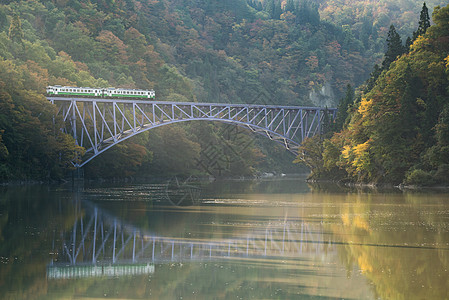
x,y
100,244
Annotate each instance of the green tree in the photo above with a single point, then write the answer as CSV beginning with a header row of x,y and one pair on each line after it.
x,y
409,109
373,77
394,48
424,22
15,29
343,108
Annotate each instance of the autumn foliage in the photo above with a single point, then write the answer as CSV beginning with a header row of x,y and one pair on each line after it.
x,y
397,131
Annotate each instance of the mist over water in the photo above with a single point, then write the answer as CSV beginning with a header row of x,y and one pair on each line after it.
x,y
184,239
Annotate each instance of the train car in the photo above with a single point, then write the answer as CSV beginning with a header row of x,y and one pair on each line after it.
x,y
57,90
129,93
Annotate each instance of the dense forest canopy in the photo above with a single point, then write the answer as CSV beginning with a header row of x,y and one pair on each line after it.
x,y
297,52
396,131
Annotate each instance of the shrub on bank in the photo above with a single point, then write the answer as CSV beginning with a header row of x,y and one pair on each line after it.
x,y
419,177
442,174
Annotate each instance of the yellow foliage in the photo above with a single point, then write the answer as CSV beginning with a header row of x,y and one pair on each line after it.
x,y
356,222
361,149
361,223
345,219
361,160
365,106
346,151
364,264
420,43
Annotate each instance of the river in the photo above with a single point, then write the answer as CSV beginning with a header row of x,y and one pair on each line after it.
x,y
183,239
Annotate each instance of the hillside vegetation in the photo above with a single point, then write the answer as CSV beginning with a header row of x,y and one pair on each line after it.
x,y
397,130
269,52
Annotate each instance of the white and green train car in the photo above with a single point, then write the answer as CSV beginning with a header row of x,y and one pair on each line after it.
x,y
129,93
57,90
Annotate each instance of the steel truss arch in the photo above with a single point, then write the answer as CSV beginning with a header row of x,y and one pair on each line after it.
x,y
99,124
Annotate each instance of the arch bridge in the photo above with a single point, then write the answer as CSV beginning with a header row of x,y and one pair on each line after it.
x,y
98,124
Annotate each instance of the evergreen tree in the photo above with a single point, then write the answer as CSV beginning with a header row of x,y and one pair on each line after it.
x,y
442,128
373,77
269,7
277,12
343,106
15,29
3,18
424,22
394,48
326,125
408,117
408,43
290,6
301,13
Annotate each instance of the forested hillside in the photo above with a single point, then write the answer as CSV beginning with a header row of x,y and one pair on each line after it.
x,y
397,129
290,52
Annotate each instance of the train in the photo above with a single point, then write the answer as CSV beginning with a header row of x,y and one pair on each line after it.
x,y
111,92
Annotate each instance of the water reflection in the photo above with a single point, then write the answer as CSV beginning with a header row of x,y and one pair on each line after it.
x,y
98,237
238,240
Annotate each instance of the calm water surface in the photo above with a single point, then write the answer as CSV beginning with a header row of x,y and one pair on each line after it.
x,y
279,239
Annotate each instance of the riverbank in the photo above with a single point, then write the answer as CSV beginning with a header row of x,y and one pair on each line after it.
x,y
378,186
